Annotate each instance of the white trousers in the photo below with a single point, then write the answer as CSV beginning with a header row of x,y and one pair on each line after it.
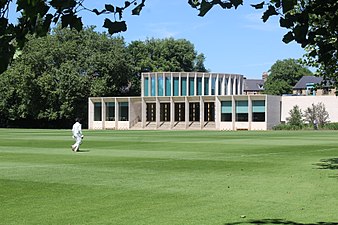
x,y
78,141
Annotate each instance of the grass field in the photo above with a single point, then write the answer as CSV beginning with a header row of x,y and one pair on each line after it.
x,y
169,178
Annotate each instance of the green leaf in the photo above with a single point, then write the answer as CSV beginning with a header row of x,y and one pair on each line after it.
x,y
236,3
115,27
271,11
285,22
300,32
288,37
109,7
126,4
137,10
258,6
193,3
205,7
288,5
225,5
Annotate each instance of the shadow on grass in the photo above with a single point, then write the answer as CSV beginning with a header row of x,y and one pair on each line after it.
x,y
328,164
280,221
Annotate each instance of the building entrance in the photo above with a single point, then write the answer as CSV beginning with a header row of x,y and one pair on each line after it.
x,y
179,112
194,111
151,112
209,111
164,112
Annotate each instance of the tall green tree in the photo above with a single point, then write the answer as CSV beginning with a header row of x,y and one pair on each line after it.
x,y
163,55
54,76
283,75
312,24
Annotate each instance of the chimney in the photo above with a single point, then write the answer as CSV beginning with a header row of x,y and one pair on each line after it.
x,y
265,76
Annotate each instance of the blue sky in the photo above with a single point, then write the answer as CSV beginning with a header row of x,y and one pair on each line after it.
x,y
233,41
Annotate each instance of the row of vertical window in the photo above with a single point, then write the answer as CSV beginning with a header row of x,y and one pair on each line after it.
x,y
110,111
241,111
165,88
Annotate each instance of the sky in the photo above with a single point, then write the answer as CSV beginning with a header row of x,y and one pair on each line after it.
x,y
233,41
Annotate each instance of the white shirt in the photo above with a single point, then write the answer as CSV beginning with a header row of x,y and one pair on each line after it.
x,y
77,129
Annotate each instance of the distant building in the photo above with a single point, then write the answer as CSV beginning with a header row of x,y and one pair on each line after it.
x,y
311,85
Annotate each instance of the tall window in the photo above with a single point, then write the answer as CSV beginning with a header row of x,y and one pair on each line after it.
x,y
199,86
110,111
226,111
213,85
183,86
123,111
160,86
167,86
176,86
206,86
242,111
165,112
194,111
97,111
179,112
258,110
191,86
151,112
146,86
153,87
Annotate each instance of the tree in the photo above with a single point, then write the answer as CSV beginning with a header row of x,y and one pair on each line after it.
x,y
54,76
296,117
284,74
165,55
312,24
317,112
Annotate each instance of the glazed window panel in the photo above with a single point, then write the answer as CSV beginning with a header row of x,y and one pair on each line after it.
x,y
258,111
123,111
183,86
226,111
97,111
242,111
110,111
146,86
176,86
160,86
206,86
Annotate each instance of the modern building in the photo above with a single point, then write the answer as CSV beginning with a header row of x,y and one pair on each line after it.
x,y
187,101
202,101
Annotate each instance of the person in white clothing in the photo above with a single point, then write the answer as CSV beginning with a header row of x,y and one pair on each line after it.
x,y
77,135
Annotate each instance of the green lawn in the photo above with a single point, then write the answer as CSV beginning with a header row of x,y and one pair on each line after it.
x,y
169,177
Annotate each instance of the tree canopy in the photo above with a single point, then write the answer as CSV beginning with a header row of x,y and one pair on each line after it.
x,y
312,24
52,78
284,74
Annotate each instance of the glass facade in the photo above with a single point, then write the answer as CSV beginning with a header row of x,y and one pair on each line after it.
x,y
153,87
176,86
226,111
183,86
194,111
146,86
167,86
209,111
242,111
258,110
123,111
199,86
160,86
191,86
97,111
110,111
206,86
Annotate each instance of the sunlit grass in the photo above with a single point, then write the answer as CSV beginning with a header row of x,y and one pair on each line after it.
x,y
168,177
